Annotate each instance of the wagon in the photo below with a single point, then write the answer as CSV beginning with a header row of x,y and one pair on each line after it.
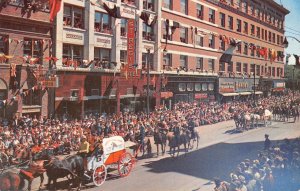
x,y
115,156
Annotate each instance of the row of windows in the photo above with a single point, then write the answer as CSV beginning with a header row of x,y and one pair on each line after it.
x,y
196,87
74,17
243,27
183,64
252,10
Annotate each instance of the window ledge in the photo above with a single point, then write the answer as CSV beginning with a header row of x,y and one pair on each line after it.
x,y
128,5
105,34
75,29
149,41
149,11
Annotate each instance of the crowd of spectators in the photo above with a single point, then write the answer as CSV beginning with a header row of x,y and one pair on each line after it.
x,y
276,168
27,132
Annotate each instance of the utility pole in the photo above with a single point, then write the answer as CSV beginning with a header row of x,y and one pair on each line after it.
x,y
148,81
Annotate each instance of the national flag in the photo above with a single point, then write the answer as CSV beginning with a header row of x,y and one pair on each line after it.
x,y
113,12
227,55
149,19
54,8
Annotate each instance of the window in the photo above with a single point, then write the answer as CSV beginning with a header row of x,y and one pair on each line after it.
x,y
204,86
211,41
273,37
123,56
239,48
183,6
200,11
222,19
211,65
252,53
167,60
33,48
103,23
167,4
252,68
102,54
183,34
190,87
199,64
245,7
273,72
257,72
245,27
252,10
239,25
263,34
266,34
270,36
245,68
278,39
148,5
222,67
73,16
123,27
222,45
257,51
74,93
4,44
246,48
230,67
199,40
257,13
198,87
72,52
211,16
258,32
182,87
239,67
148,33
144,60
184,62
230,22
252,28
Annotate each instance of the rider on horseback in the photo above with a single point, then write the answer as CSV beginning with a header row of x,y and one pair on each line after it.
x,y
191,127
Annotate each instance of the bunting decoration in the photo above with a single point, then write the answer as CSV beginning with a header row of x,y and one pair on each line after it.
x,y
149,19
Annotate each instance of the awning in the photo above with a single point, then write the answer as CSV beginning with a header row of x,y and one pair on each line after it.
x,y
259,92
229,94
245,93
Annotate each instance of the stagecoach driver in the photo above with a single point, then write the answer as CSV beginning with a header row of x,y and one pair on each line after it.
x,y
84,149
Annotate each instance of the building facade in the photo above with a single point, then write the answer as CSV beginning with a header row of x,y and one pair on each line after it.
x,y
25,40
92,50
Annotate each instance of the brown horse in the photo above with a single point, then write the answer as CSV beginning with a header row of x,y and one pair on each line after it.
x,y
10,181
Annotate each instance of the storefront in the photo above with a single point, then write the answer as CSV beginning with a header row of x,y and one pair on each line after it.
x,y
278,87
191,88
231,89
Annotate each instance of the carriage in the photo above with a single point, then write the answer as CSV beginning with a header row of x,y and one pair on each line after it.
x,y
114,156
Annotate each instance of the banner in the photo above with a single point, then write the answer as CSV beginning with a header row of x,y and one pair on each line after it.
x,y
130,42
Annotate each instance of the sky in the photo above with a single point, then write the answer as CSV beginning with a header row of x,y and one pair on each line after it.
x,y
292,27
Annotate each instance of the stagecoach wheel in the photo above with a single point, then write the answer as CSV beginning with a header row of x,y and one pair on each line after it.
x,y
125,164
99,175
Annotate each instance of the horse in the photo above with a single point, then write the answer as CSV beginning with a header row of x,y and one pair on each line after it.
x,y
11,181
195,136
176,140
160,138
71,165
254,119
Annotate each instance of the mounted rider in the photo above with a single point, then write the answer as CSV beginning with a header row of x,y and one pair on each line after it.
x,y
191,127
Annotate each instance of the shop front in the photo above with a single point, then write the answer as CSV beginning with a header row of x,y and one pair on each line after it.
x,y
278,87
191,88
232,89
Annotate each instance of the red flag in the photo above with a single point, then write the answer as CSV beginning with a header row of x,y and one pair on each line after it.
x,y
54,8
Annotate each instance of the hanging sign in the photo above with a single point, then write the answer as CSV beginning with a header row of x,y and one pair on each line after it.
x,y
130,42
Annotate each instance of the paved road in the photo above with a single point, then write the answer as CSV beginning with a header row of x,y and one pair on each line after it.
x,y
218,154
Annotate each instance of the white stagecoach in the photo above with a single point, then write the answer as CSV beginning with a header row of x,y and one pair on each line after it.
x,y
114,156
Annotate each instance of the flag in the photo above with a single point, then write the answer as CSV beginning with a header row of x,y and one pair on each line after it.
x,y
13,70
297,60
153,81
227,55
149,19
273,55
287,59
54,8
114,12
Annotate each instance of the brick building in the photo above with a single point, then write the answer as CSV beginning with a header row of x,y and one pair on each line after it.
x,y
25,40
190,68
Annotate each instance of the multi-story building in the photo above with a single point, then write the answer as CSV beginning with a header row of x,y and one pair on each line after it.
x,y
25,40
92,47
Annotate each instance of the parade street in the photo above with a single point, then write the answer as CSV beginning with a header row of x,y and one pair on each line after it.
x,y
218,154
